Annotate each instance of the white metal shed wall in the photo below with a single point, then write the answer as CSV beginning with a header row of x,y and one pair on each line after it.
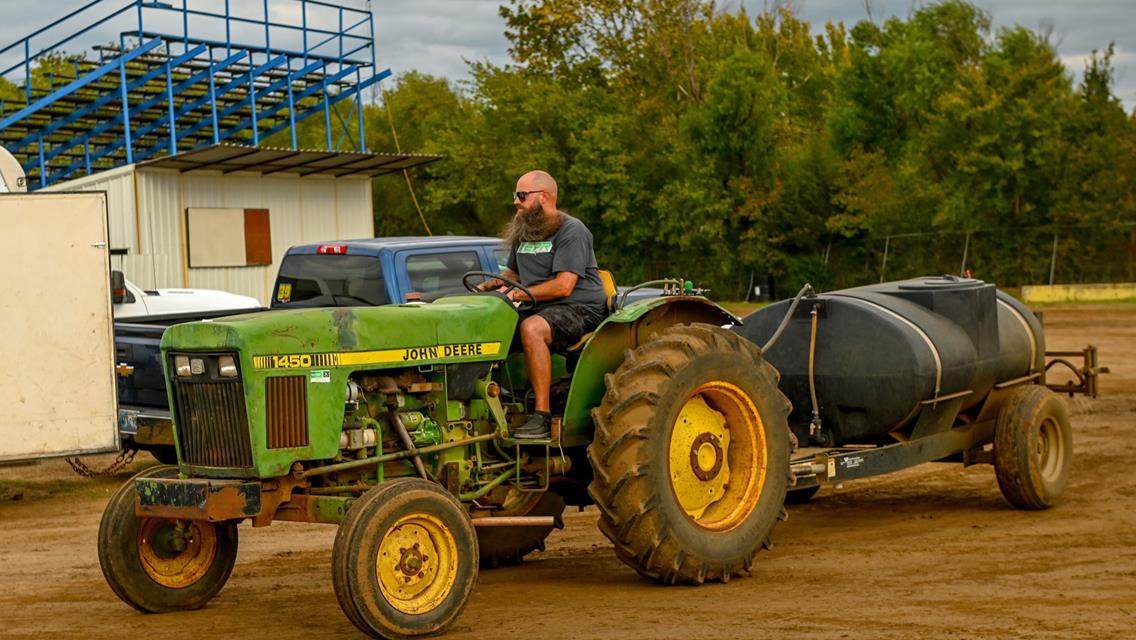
x,y
147,217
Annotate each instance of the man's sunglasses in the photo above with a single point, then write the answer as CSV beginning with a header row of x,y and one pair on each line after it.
x,y
523,195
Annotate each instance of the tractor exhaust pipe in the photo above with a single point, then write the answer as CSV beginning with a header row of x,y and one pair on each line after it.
x,y
407,442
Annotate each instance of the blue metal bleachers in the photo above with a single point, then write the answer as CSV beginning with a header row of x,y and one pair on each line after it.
x,y
118,81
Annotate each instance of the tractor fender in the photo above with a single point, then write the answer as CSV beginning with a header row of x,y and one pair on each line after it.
x,y
625,329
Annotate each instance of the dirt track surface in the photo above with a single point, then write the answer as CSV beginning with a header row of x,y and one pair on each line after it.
x,y
930,552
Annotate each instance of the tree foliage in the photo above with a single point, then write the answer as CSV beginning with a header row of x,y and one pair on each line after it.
x,y
717,145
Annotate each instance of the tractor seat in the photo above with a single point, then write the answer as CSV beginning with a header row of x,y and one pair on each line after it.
x,y
607,278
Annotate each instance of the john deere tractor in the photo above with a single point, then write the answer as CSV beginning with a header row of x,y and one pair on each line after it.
x,y
394,424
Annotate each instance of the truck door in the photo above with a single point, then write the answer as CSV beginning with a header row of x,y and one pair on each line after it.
x,y
57,384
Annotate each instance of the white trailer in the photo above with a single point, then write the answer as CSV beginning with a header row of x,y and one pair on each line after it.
x,y
57,382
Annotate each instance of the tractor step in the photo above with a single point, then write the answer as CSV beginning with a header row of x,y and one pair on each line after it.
x,y
518,521
528,442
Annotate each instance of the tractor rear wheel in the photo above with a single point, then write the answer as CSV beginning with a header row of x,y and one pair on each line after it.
x,y
404,562
501,546
158,565
691,455
1033,448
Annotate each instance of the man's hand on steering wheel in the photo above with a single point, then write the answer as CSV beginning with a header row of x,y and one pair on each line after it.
x,y
514,291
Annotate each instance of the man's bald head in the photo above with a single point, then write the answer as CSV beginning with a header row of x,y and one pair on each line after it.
x,y
538,181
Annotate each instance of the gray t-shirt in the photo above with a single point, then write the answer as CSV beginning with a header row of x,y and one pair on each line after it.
x,y
569,249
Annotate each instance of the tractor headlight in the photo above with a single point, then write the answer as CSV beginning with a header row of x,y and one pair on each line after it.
x,y
227,367
181,366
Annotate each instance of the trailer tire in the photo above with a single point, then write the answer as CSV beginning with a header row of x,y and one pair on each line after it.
x,y
1033,448
504,546
377,549
149,575
681,410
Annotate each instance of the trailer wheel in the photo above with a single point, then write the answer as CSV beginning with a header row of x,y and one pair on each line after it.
x,y
404,562
691,455
1033,448
157,565
501,546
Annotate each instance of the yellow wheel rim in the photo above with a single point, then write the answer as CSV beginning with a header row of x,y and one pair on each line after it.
x,y
717,459
417,563
176,554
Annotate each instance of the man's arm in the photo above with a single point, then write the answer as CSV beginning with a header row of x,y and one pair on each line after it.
x,y
561,286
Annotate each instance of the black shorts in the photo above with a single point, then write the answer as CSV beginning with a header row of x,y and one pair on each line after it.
x,y
569,323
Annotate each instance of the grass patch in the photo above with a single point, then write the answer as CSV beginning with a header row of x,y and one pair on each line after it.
x,y
28,484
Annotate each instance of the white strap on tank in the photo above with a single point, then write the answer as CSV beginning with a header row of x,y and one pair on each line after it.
x,y
1028,329
914,327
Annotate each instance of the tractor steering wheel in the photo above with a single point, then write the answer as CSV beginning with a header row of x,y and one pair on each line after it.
x,y
522,305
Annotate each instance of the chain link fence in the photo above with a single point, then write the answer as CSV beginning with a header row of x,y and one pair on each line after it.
x,y
1010,257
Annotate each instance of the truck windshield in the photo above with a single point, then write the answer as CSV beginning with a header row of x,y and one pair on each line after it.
x,y
329,280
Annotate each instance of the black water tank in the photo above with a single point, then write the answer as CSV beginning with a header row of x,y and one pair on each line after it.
x,y
883,349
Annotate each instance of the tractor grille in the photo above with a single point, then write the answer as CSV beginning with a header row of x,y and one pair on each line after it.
x,y
287,412
212,423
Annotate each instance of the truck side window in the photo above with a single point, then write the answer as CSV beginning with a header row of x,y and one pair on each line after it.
x,y
440,272
502,258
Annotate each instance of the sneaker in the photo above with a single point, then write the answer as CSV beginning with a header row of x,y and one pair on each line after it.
x,y
538,427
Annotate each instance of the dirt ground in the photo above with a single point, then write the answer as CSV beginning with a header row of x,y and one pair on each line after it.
x,y
930,552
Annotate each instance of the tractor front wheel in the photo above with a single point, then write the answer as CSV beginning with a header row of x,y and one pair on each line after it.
x,y
404,562
691,455
158,565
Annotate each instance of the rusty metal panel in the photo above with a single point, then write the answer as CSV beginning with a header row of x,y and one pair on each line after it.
x,y
287,412
196,499
212,424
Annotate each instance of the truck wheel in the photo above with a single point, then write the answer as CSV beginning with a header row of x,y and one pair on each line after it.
x,y
1033,448
508,545
158,565
405,560
691,455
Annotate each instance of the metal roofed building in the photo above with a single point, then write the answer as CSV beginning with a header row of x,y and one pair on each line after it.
x,y
221,217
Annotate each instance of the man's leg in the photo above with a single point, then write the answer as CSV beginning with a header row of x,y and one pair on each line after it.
x,y
536,335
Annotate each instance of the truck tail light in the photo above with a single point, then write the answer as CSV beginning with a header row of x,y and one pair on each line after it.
x,y
337,249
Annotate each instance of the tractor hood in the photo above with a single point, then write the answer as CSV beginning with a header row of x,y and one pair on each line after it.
x,y
462,328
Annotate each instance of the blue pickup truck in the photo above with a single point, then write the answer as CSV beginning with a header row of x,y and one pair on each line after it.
x,y
373,271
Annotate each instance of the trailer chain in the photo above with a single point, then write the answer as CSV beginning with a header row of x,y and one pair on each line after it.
x,y
123,459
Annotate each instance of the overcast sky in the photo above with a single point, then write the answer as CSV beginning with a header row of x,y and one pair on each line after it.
x,y
438,36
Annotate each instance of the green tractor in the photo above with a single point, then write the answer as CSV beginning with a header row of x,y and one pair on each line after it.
x,y
394,423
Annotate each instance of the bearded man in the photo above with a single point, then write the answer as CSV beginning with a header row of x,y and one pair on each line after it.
x,y
551,254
